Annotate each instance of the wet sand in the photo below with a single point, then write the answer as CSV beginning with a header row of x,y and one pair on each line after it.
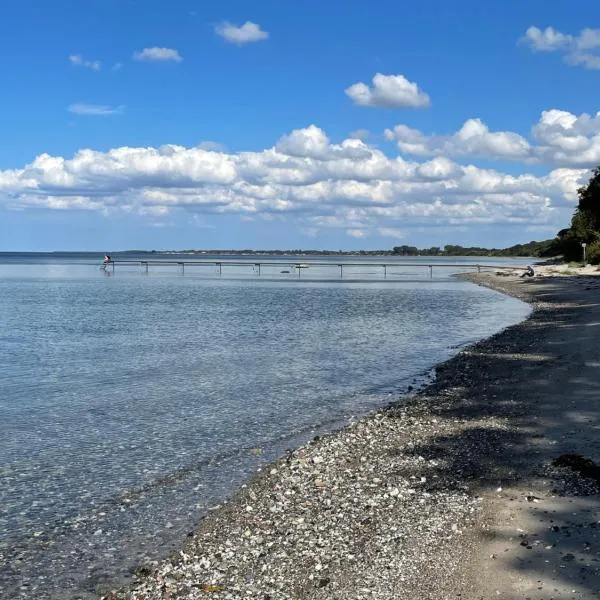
x,y
451,494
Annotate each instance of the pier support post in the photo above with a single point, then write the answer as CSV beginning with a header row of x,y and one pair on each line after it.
x,y
220,271
182,268
341,271
478,268
430,272
146,266
385,271
258,265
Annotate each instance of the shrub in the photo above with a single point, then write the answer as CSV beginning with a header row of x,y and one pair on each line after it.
x,y
593,253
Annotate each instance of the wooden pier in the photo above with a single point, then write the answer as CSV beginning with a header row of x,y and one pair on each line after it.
x,y
289,267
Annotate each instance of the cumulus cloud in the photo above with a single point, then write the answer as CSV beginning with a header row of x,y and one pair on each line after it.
x,y
79,61
559,138
547,40
473,139
388,91
212,146
568,140
309,142
80,108
359,134
582,49
304,177
244,34
156,54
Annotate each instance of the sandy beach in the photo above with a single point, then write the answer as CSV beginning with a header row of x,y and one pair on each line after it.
x,y
453,493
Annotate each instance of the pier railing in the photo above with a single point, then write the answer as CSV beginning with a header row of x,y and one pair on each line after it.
x,y
296,267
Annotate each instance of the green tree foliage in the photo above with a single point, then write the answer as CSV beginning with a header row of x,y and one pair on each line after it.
x,y
535,249
593,253
406,250
585,224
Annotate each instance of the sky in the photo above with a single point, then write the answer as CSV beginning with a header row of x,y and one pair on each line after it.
x,y
129,124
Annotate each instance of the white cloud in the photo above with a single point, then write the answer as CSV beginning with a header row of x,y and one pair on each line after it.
x,y
305,179
547,40
473,139
391,232
585,59
568,140
359,134
309,142
117,66
79,108
559,138
582,49
212,146
79,61
158,55
244,34
356,233
388,91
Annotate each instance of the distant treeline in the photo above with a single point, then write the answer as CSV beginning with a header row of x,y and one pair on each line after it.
x,y
285,252
545,248
535,249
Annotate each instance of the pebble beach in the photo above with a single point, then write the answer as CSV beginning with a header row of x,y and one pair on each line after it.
x,y
416,500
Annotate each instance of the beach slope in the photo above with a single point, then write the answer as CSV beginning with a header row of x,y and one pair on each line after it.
x,y
463,491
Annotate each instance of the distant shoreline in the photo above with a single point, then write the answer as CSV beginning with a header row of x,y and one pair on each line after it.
x,y
291,253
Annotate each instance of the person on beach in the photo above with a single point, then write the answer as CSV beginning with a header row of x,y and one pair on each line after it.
x,y
107,260
528,272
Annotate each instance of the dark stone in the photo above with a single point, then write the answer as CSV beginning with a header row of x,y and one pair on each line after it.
x,y
144,571
323,582
584,466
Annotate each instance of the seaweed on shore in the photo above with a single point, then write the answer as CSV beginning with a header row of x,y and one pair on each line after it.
x,y
584,466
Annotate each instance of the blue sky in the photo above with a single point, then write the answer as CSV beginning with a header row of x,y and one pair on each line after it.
x,y
189,124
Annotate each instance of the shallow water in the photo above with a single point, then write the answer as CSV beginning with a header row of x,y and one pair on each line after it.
x,y
130,404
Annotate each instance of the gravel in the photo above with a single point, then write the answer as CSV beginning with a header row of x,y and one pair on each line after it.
x,y
389,507
341,517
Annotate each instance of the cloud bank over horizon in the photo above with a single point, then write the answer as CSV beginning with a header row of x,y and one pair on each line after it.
x,y
317,185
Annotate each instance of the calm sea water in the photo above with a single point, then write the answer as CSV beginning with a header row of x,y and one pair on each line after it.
x,y
131,404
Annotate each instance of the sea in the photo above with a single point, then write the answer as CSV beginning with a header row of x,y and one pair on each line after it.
x,y
135,399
